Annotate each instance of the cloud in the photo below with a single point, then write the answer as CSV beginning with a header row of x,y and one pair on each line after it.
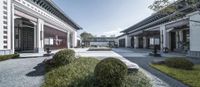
x,y
115,32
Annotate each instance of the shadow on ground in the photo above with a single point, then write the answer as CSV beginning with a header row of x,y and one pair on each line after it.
x,y
39,70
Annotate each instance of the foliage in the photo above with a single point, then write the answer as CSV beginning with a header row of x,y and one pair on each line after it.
x,y
110,72
5,57
181,63
136,80
64,57
189,77
76,74
80,73
85,36
159,4
166,7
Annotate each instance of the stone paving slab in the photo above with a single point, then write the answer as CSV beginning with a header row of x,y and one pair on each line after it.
x,y
26,72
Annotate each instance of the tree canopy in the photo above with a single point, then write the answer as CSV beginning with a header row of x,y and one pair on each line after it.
x,y
167,6
85,36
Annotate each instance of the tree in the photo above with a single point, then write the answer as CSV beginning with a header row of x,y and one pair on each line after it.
x,y
165,6
85,36
159,4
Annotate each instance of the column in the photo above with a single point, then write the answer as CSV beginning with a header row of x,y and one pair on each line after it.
x,y
136,44
181,35
144,42
68,39
127,41
194,35
164,37
74,39
40,36
177,39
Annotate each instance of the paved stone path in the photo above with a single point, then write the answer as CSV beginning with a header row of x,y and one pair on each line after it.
x,y
26,72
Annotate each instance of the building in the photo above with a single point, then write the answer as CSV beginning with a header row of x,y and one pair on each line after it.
x,y
31,26
173,31
102,41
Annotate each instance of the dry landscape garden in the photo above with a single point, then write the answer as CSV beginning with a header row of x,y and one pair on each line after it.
x,y
65,70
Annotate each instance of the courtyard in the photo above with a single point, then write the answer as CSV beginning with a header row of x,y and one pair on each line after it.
x,y
115,45
33,71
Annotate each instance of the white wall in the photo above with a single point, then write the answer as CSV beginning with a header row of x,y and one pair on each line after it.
x,y
195,33
40,34
1,24
75,38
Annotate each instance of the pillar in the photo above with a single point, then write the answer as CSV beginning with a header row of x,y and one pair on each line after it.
x,y
74,38
127,41
136,44
177,39
40,36
181,35
194,35
164,37
68,39
145,42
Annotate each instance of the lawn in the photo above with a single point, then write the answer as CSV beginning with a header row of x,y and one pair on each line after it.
x,y
188,77
6,57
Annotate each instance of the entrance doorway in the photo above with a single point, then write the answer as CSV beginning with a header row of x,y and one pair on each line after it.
x,y
173,41
140,42
122,43
132,42
24,35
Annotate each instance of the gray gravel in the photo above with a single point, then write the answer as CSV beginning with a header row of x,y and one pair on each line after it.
x,y
26,72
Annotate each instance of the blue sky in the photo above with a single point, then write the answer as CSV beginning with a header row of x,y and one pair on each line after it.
x,y
105,17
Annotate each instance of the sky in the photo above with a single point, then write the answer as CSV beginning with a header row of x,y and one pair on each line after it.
x,y
105,17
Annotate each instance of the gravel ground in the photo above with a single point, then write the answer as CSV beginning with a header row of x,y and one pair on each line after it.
x,y
26,72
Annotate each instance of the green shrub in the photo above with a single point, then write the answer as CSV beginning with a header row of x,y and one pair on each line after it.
x,y
5,57
80,73
110,72
137,80
180,63
64,57
76,74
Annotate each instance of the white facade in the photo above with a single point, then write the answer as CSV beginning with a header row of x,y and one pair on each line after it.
x,y
23,8
194,34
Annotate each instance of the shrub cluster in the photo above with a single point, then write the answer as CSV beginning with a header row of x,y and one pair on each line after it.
x,y
64,57
180,63
110,72
5,57
76,74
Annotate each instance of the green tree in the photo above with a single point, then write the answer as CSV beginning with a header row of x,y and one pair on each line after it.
x,y
85,36
167,6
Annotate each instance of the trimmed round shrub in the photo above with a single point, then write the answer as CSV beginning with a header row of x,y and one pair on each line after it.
x,y
110,72
64,57
180,63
